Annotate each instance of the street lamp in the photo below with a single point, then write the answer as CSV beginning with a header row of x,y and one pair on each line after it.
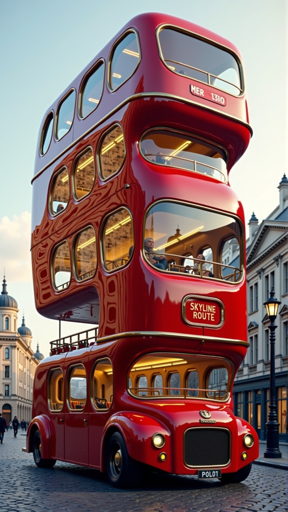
x,y
272,425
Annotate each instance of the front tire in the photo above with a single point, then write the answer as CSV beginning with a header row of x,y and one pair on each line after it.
x,y
36,446
239,476
122,470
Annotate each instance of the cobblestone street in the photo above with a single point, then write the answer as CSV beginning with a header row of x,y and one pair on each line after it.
x,y
67,487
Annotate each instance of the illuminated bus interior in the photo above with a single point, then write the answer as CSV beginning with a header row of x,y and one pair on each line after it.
x,y
169,375
65,115
174,149
102,385
92,89
56,390
118,239
84,174
191,241
124,61
188,55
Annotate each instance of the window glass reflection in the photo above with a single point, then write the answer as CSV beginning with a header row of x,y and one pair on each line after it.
x,y
230,258
192,57
142,383
125,59
60,192
77,388
173,149
85,254
102,385
193,383
157,383
47,133
65,115
56,390
112,152
84,174
61,267
174,383
118,240
92,91
218,381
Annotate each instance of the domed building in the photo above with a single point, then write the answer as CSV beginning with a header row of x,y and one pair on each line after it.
x,y
17,361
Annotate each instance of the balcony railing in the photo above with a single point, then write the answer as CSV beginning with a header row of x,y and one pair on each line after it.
x,y
74,341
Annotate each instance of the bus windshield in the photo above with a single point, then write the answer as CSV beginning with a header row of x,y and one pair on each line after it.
x,y
170,375
196,58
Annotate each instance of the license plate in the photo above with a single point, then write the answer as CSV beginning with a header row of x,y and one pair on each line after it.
x,y
209,473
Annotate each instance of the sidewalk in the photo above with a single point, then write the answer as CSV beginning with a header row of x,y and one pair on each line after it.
x,y
273,463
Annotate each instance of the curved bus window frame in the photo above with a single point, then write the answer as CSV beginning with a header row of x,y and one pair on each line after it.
x,y
43,153
76,159
53,411
106,409
201,139
68,380
109,67
84,81
211,42
99,147
57,114
59,290
207,377
74,262
101,239
219,245
51,188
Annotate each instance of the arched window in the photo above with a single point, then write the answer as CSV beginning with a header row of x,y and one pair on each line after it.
x,y
118,239
59,195
192,383
142,383
61,267
85,254
7,327
84,174
125,59
174,383
112,152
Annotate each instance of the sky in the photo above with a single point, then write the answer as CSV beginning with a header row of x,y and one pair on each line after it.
x,y
44,45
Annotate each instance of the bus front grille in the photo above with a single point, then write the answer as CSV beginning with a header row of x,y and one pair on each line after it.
x,y
206,447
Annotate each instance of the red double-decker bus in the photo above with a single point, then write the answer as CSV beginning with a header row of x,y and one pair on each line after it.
x,y
133,219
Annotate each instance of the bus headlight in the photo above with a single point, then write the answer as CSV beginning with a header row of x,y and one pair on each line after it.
x,y
158,440
248,440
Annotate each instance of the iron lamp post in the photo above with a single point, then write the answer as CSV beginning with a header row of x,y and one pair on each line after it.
x,y
272,425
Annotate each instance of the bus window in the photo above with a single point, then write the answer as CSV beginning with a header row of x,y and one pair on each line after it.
x,y
61,267
230,255
55,390
112,152
174,383
218,382
60,192
172,149
204,269
118,240
77,386
102,385
85,254
173,226
142,383
65,115
196,58
46,134
192,383
157,384
124,61
92,90
84,174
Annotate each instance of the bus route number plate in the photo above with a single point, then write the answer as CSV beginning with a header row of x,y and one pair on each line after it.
x,y
210,473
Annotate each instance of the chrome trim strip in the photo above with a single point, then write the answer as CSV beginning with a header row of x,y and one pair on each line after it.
x,y
136,97
218,465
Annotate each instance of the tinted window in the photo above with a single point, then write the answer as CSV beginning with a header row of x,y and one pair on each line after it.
x,y
118,239
47,133
60,192
102,385
92,91
125,59
192,57
84,174
218,381
61,267
85,254
65,115
77,386
112,152
172,149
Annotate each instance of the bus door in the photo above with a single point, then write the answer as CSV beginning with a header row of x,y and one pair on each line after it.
x,y
102,400
76,417
56,407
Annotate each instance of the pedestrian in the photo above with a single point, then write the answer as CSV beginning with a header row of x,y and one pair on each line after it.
x,y
23,425
7,426
2,428
15,424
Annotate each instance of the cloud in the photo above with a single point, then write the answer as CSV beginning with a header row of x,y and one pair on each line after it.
x,y
15,236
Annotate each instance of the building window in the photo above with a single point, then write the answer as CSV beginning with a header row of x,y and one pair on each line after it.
x,y
267,287
92,90
256,347
61,267
7,353
272,281
6,389
77,386
65,115
118,240
256,296
239,402
7,372
85,254
102,385
251,350
60,192
112,152
258,411
7,327
174,383
267,346
125,59
285,275
282,409
250,407
84,174
46,134
251,299
55,390
285,331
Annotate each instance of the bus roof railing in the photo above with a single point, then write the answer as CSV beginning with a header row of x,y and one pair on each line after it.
x,y
74,341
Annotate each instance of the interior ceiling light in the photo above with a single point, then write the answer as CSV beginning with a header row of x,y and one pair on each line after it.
x,y
118,225
130,52
69,122
65,178
178,150
116,75
88,242
177,239
112,144
93,100
87,162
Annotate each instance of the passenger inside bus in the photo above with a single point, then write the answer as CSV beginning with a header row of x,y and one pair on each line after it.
x,y
199,268
156,260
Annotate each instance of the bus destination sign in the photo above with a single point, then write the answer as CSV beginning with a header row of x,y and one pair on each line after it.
x,y
201,311
206,94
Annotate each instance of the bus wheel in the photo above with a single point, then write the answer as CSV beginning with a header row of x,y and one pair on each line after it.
x,y
236,478
41,463
122,471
